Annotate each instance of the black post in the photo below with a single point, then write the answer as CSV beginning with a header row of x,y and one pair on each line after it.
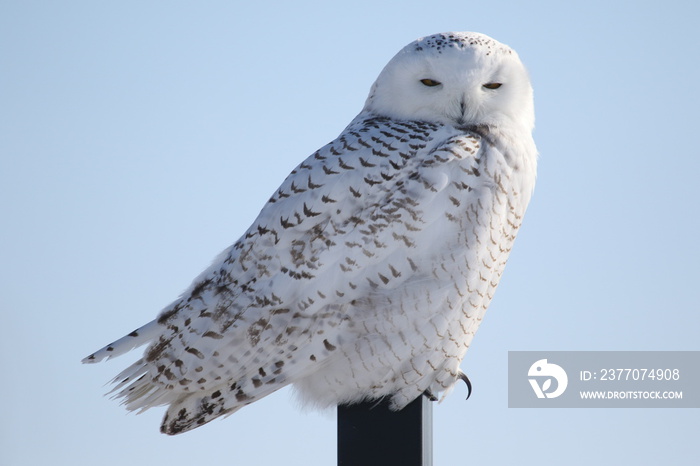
x,y
370,434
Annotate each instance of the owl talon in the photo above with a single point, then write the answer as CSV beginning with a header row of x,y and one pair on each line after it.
x,y
462,376
429,395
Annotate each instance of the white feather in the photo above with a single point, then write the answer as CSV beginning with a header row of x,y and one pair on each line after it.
x,y
368,272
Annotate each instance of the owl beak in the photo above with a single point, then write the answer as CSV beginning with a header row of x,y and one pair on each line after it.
x,y
461,118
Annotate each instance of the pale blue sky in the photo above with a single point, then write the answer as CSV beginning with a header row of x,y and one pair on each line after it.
x,y
138,139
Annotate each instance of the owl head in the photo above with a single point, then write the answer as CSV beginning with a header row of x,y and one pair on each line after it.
x,y
457,78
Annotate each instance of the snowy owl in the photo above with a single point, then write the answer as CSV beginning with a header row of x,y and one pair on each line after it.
x,y
368,272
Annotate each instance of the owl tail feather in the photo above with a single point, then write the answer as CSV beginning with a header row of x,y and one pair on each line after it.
x,y
191,412
194,410
138,337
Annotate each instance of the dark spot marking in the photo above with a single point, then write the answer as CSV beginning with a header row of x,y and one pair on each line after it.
x,y
195,351
345,166
200,287
370,181
158,349
312,185
310,213
328,345
241,396
285,223
365,163
167,315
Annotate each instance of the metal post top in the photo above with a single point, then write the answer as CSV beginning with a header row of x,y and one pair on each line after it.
x,y
371,434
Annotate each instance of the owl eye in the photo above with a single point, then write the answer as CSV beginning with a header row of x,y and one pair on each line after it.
x,y
492,85
430,82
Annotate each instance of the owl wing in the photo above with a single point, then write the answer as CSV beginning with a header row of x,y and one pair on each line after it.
x,y
267,311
